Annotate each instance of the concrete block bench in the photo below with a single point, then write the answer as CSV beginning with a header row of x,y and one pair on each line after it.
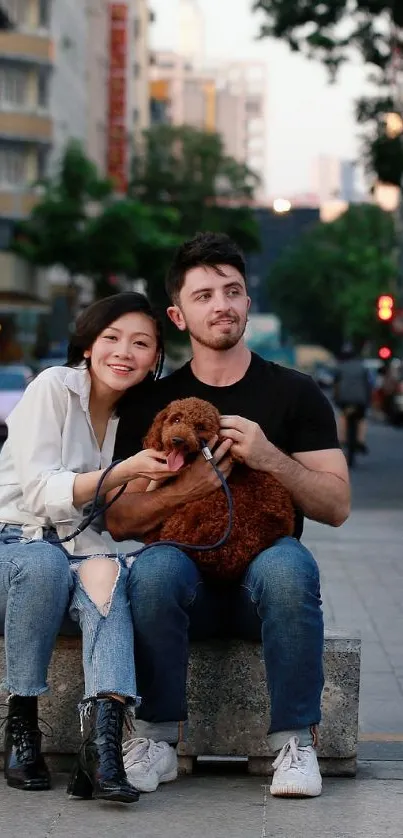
x,y
228,704
229,707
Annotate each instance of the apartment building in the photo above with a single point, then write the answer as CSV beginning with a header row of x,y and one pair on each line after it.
x,y
97,70
128,85
241,113
229,98
26,128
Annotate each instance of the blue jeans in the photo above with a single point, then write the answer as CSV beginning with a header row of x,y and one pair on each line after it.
x,y
277,601
36,586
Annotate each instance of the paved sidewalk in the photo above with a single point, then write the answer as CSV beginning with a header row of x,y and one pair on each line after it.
x,y
220,807
362,585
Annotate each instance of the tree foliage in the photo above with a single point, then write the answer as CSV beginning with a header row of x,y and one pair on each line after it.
x,y
328,29
331,30
325,288
188,169
80,225
182,183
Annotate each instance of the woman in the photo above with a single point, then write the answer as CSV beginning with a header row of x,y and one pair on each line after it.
x,y
60,439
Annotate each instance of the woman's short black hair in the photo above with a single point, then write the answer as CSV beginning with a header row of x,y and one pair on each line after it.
x,y
210,250
99,315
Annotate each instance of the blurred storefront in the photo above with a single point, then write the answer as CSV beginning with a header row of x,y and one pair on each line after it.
x,y
24,310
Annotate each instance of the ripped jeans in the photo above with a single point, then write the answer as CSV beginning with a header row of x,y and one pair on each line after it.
x,y
37,585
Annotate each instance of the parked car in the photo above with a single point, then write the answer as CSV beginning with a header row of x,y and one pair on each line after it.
x,y
14,378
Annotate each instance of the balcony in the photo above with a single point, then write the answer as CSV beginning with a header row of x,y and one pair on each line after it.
x,y
25,127
21,286
28,49
16,204
6,21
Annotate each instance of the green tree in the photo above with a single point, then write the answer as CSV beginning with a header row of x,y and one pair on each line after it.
x,y
79,224
325,288
188,170
331,30
328,29
55,232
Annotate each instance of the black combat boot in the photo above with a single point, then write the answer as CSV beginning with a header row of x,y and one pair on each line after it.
x,y
24,765
99,771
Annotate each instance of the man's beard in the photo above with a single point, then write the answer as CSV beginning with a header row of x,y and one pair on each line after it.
x,y
221,343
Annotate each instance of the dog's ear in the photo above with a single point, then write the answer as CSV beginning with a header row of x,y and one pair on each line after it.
x,y
153,439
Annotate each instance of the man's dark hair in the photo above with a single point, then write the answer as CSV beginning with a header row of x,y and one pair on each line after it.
x,y
208,250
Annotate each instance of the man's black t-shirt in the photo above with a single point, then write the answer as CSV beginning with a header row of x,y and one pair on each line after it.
x,y
290,408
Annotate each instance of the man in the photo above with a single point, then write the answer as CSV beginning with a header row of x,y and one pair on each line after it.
x,y
275,420
352,387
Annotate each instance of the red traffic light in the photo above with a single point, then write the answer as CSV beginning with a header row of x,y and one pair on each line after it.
x,y
385,353
385,307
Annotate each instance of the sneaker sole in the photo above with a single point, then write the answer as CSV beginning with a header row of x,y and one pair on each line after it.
x,y
147,788
283,791
168,778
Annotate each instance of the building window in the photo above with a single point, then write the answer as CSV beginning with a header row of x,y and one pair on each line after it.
x,y
254,107
12,167
43,88
136,70
17,9
43,159
137,28
136,115
13,86
44,13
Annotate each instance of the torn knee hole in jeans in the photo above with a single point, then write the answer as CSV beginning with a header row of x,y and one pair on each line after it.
x,y
96,597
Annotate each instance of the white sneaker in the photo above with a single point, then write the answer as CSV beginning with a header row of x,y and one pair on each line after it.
x,y
148,763
296,771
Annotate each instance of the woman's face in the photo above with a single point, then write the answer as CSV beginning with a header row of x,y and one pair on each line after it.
x,y
124,352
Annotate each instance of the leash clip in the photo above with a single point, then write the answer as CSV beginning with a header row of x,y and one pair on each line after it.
x,y
207,453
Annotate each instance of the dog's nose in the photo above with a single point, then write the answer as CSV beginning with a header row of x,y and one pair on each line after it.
x,y
178,440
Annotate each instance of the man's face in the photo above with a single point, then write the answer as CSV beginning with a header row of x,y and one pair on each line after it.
x,y
212,306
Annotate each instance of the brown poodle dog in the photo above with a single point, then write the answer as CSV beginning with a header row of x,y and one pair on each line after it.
x,y
262,507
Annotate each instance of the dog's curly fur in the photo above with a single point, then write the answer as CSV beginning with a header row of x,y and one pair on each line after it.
x,y
263,509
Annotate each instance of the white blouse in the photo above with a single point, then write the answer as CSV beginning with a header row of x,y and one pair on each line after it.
x,y
50,440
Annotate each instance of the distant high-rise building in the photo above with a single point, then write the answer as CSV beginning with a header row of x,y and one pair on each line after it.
x,y
128,85
191,32
141,68
334,179
97,81
242,113
229,98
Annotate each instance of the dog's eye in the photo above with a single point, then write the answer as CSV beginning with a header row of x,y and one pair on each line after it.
x,y
200,428
176,420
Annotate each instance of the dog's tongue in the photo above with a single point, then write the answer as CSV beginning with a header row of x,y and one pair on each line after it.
x,y
175,460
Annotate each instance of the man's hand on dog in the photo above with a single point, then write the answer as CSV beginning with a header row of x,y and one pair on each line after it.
x,y
199,479
249,444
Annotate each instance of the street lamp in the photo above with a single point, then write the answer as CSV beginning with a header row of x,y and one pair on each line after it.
x,y
394,125
394,129
281,205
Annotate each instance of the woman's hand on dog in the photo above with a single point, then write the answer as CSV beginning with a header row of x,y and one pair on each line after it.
x,y
249,444
148,463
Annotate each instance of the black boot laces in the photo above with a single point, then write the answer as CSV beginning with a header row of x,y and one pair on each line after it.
x,y
109,739
25,737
